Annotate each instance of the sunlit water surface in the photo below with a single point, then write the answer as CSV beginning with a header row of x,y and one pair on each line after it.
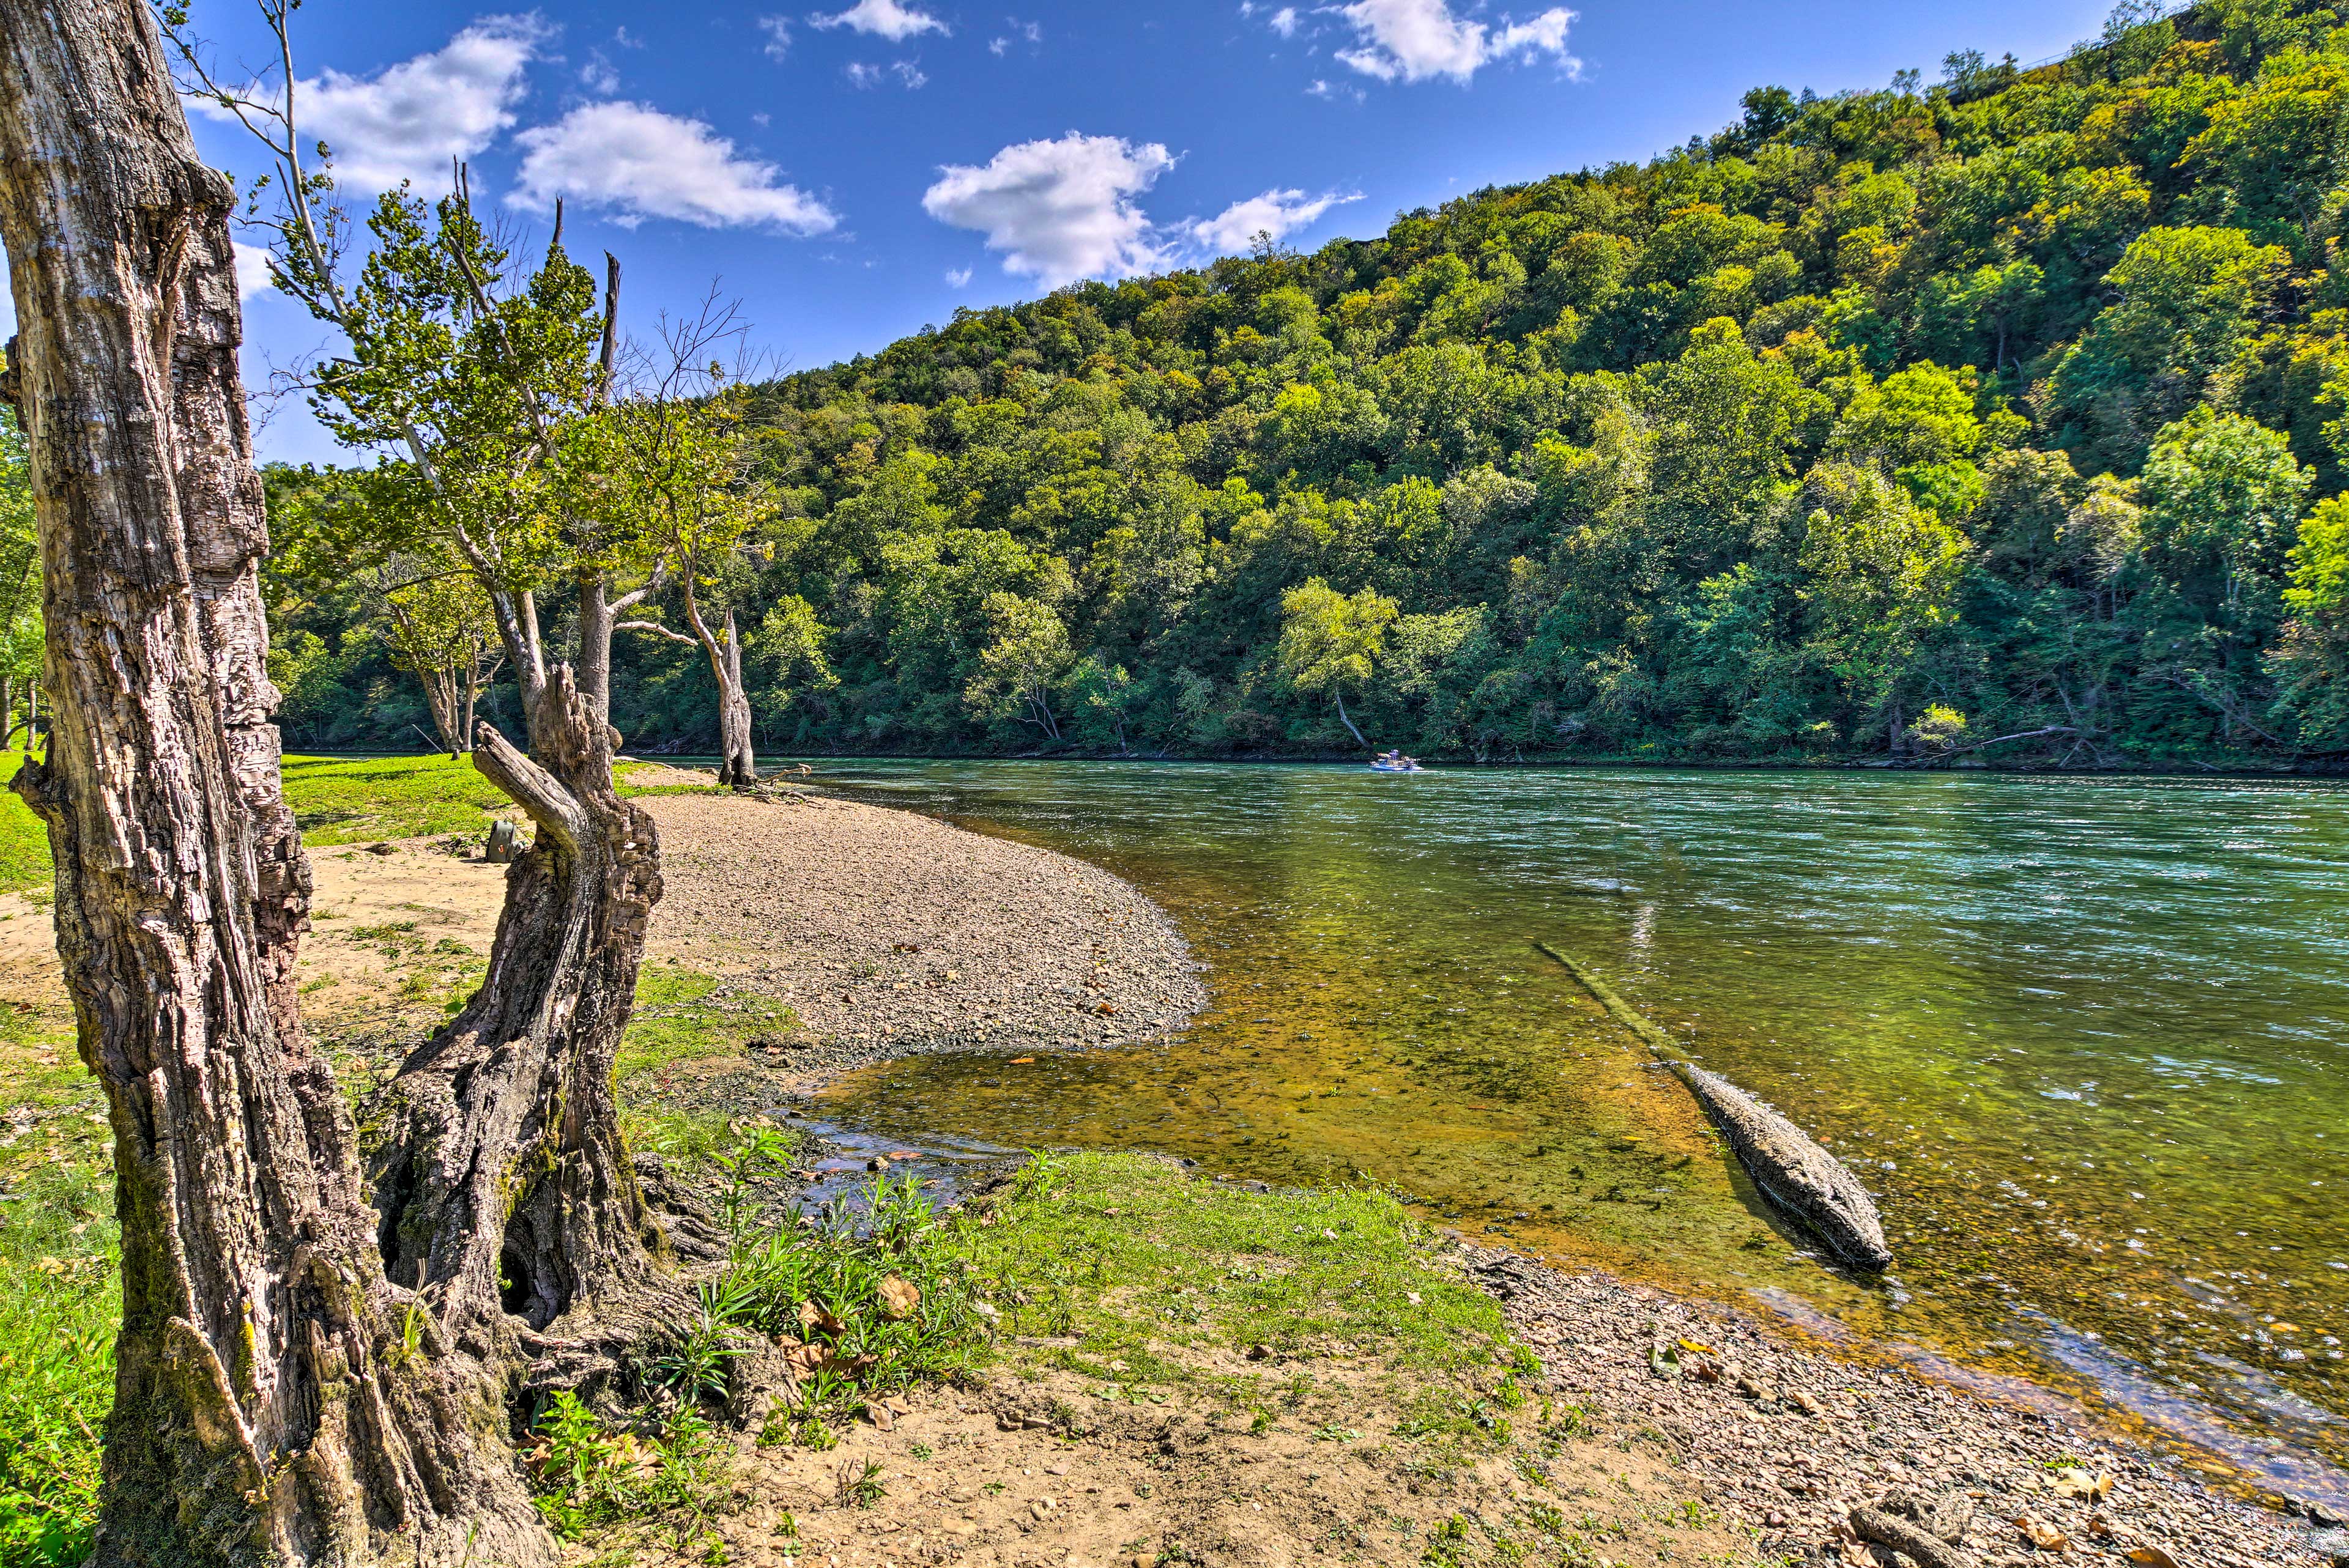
x,y
2086,1039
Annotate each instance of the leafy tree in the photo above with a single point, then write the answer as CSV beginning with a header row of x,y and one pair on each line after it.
x,y
1330,641
1026,655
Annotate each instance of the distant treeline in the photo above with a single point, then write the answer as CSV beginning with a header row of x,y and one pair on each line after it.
x,y
2003,418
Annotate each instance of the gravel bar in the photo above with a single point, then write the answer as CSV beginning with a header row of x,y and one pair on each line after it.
x,y
891,934
1789,1442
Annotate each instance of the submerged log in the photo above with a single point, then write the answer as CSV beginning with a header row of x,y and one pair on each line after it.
x,y
1789,1167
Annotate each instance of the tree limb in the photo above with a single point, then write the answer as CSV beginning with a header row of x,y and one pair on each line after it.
x,y
671,634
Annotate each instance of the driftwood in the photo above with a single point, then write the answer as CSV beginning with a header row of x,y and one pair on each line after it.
x,y
1791,1170
1911,1541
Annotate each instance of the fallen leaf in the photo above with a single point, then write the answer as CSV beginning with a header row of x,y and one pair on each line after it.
x,y
1699,1346
884,1420
2041,1533
1023,1061
2151,1557
899,1297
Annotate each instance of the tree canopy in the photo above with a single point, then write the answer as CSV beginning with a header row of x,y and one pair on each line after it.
x,y
2020,400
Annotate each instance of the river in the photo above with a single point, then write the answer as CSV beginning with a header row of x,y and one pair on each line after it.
x,y
2087,1040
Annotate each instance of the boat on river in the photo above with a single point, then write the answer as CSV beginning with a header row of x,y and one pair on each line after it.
x,y
1395,764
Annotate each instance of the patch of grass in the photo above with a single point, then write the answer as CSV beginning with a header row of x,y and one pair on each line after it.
x,y
1128,1251
24,840
682,1017
60,1251
375,798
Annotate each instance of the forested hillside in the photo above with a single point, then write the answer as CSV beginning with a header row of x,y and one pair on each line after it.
x,y
2002,420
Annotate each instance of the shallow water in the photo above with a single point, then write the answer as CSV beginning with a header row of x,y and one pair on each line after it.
x,y
2086,1039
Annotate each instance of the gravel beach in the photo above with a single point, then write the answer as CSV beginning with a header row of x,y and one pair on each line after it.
x,y
891,934
1788,1441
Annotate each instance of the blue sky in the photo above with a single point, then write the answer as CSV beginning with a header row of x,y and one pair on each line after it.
x,y
853,171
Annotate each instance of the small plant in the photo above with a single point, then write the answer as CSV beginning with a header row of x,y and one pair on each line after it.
x,y
923,1451
859,1486
1260,1423
1447,1544
997,1489
813,1433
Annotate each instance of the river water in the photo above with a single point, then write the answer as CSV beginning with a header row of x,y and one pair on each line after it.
x,y
2086,1039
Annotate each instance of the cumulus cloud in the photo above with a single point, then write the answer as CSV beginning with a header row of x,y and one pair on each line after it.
x,y
1060,209
958,277
890,19
636,163
1412,40
1279,214
779,35
1284,22
408,120
251,270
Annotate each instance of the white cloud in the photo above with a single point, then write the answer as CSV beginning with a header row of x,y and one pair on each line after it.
x,y
251,270
599,76
636,162
910,73
958,277
1284,22
1275,212
861,74
408,120
1413,40
890,19
779,35
1059,210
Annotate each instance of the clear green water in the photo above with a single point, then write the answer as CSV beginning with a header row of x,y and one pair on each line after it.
x,y
2086,1039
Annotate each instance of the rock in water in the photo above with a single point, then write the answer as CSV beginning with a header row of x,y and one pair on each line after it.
x,y
1792,1171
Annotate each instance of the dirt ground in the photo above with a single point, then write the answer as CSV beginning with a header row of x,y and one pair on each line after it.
x,y
1065,1471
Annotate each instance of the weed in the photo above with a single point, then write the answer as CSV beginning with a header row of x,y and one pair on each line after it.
x,y
1447,1544
859,1485
587,1476
923,1451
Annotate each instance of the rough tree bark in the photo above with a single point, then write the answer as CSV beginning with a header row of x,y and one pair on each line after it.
x,y
277,1400
505,1193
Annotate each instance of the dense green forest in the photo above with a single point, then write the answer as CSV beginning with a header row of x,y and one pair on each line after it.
x,y
2002,420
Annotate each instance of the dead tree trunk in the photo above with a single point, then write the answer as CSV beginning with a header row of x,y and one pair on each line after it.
x,y
273,1404
739,762
506,1194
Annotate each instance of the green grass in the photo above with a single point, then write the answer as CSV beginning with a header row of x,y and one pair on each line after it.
x,y
682,1017
1134,1256
59,1252
23,839
376,797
